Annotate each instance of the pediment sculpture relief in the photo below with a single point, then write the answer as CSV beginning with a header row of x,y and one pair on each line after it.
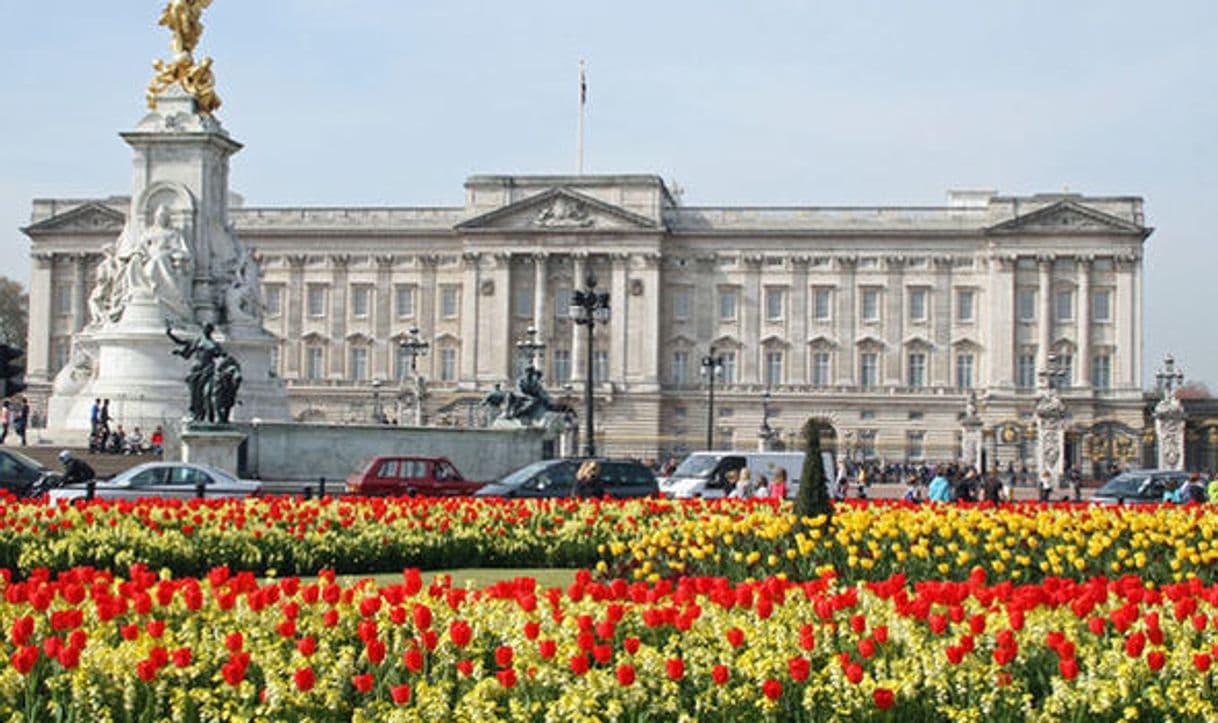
x,y
564,212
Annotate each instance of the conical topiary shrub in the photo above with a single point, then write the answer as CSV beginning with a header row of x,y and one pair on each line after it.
x,y
813,498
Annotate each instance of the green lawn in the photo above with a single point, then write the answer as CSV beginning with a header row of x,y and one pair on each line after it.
x,y
479,577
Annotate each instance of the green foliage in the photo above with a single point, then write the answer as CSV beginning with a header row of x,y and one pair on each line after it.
x,y
813,496
14,312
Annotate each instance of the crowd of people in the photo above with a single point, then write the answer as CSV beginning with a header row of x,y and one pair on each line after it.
x,y
14,417
107,439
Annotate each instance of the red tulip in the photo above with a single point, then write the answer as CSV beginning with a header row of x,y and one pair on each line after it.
x,y
858,623
625,674
363,683
307,646
304,679
422,617
772,689
579,664
675,668
735,637
465,667
1202,662
854,673
146,670
413,660
1135,644
531,630
400,694
720,674
1156,659
234,642
181,657
866,647
547,648
883,698
799,668
503,656
631,645
460,633
507,677
375,650
1068,668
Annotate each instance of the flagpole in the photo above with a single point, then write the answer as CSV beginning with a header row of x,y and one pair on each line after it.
x,y
583,93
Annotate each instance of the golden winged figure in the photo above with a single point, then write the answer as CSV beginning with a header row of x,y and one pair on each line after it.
x,y
183,18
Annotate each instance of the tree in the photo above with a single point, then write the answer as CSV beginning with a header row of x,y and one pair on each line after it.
x,y
14,312
1194,390
813,498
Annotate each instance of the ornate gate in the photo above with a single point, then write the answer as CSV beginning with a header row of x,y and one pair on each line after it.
x,y
1110,446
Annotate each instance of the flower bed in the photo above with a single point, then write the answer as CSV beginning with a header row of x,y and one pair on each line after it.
x,y
88,646
638,539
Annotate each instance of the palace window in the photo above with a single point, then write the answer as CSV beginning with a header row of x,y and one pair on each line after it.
x,y
964,305
917,369
314,363
522,301
822,304
1025,371
964,370
1101,305
870,305
773,368
1063,305
774,298
600,366
680,368
915,446
316,300
448,365
869,368
820,369
275,359
1027,304
404,301
1101,371
358,371
63,299
361,301
727,304
681,303
449,301
729,367
917,304
562,303
1065,362
561,363
272,296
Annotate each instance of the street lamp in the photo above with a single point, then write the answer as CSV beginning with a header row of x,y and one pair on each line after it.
x,y
766,433
1053,372
531,346
589,306
712,366
415,346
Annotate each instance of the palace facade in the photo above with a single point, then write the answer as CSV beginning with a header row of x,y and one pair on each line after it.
x,y
880,319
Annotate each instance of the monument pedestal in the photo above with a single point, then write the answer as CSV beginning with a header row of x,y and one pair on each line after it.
x,y
216,446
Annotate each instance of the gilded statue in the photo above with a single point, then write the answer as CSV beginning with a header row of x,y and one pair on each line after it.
x,y
182,17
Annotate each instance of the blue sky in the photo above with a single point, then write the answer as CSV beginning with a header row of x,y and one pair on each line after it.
x,y
368,102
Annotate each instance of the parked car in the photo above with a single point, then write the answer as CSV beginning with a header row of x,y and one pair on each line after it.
x,y
23,476
705,474
556,478
163,479
431,476
1142,486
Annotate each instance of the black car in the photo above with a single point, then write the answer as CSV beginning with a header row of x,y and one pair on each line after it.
x,y
1139,487
556,478
18,473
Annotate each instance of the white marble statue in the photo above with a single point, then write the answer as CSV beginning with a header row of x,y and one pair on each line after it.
x,y
160,263
242,298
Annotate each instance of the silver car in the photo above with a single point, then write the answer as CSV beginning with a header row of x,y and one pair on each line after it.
x,y
163,479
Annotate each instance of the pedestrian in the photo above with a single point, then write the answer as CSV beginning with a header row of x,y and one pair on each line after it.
x,y
940,488
94,416
103,416
1046,485
4,420
840,482
22,419
778,488
588,481
993,489
743,487
1076,485
912,492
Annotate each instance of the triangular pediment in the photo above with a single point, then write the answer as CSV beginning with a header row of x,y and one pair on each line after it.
x,y
1067,217
87,218
561,210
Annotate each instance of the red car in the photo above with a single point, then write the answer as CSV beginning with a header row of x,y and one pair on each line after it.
x,y
391,476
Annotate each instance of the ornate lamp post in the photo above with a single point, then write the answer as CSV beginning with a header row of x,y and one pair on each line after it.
x,y
531,346
415,346
377,416
588,307
766,433
1050,421
1168,379
712,366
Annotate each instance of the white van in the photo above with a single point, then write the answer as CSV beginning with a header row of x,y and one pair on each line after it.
x,y
704,474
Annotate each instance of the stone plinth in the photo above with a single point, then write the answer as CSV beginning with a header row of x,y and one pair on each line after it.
x,y
216,446
970,441
1169,431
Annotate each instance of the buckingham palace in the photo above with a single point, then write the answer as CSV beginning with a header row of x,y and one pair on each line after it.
x,y
884,320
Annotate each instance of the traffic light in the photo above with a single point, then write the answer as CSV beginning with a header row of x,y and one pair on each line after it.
x,y
12,376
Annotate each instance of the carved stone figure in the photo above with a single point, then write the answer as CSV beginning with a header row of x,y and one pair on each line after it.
x,y
160,262
105,300
564,212
213,378
242,297
528,405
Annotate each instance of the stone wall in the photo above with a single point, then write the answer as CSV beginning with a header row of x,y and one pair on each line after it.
x,y
299,452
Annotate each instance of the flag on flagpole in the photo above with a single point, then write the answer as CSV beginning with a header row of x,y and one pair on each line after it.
x,y
583,85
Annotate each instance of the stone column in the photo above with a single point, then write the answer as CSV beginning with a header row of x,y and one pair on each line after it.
x,y
970,433
1050,434
619,322
894,323
294,366
798,325
541,321
382,365
38,343
1082,362
1045,326
1125,308
80,291
579,262
847,309
471,296
1000,297
1169,430
939,309
749,312
338,315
